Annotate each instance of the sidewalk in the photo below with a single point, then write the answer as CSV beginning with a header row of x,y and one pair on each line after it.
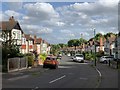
x,y
109,77
29,71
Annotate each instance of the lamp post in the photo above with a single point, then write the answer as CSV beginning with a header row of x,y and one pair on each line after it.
x,y
94,46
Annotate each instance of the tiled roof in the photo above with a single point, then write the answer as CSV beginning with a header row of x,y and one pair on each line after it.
x,y
9,25
28,37
38,40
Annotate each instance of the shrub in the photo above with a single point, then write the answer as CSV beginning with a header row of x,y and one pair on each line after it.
x,y
30,60
42,56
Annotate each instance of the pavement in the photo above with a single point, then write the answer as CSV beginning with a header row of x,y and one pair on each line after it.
x,y
109,76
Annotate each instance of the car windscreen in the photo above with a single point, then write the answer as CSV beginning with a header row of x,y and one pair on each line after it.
x,y
79,55
48,58
53,58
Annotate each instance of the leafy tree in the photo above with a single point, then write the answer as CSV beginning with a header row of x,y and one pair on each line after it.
x,y
97,36
73,42
82,40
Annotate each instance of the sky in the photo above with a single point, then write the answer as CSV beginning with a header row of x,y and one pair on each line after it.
x,y
58,22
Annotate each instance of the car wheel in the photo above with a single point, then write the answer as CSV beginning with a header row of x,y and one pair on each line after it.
x,y
82,61
44,66
105,62
56,66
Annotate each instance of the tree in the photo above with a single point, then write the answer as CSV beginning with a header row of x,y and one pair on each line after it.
x,y
97,36
73,42
82,41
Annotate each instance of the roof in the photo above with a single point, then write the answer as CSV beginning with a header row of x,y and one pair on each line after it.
x,y
28,37
9,25
38,40
112,39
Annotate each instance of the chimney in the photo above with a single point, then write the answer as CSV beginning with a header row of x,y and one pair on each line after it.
x,y
11,18
35,41
101,43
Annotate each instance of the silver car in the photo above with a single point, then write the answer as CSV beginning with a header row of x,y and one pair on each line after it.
x,y
105,59
78,58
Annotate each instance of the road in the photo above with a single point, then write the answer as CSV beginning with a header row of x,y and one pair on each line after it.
x,y
68,75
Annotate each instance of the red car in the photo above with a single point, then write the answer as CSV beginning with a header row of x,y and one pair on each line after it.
x,y
50,62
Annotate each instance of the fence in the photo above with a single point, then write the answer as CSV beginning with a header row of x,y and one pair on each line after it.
x,y
15,64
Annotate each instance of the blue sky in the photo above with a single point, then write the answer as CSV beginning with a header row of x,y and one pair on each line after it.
x,y
58,22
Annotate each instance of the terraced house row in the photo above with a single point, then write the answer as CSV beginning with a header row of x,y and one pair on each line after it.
x,y
26,42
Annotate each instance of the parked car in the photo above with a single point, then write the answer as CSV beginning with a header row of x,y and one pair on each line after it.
x,y
59,56
105,59
50,62
68,55
78,58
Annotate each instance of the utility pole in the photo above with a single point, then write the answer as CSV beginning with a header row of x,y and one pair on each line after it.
x,y
94,46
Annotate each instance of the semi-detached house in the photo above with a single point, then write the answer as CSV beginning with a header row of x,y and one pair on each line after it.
x,y
11,30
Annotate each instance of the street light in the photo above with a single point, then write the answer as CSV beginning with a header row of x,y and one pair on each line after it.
x,y
94,45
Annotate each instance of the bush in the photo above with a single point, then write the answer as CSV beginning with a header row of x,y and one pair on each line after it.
x,y
42,56
89,56
99,54
30,60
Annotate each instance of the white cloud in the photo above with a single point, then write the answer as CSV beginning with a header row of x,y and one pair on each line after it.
x,y
108,3
12,13
43,11
36,29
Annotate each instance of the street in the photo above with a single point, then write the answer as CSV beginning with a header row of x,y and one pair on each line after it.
x,y
68,75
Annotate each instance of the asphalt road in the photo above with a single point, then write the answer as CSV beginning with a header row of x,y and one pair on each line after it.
x,y
68,75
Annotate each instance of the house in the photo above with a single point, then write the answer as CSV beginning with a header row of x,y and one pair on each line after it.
x,y
109,45
118,45
48,49
11,31
44,45
39,45
28,45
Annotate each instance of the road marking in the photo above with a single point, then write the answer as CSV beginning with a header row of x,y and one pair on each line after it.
x,y
57,79
16,78
65,66
100,77
99,72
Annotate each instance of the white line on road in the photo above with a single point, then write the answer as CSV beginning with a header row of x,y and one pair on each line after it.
x,y
57,79
100,76
99,72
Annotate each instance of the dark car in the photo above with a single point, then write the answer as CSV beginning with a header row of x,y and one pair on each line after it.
x,y
50,62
